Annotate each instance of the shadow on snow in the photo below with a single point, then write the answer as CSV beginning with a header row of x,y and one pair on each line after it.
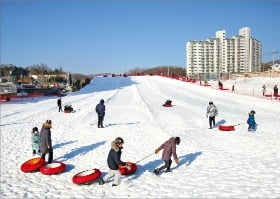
x,y
79,151
184,160
63,144
220,122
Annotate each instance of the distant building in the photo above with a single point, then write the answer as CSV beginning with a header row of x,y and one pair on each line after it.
x,y
276,68
221,55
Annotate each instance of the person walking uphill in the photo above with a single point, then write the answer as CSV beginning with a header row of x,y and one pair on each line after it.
x,y
169,149
114,161
46,140
100,110
212,111
59,105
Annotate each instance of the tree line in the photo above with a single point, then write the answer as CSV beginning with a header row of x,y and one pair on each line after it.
x,y
22,74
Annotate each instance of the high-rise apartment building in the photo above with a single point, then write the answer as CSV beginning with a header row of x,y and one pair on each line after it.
x,y
221,55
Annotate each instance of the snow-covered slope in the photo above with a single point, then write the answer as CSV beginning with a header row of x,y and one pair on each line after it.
x,y
212,163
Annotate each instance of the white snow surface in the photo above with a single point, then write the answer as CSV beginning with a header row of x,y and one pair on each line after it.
x,y
213,163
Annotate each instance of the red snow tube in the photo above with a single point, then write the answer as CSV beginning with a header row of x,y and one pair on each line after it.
x,y
267,95
87,176
125,171
167,105
226,128
32,165
224,88
67,111
53,168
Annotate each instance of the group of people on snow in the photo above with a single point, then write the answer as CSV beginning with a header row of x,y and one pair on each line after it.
x,y
42,142
275,90
114,156
212,112
67,108
42,145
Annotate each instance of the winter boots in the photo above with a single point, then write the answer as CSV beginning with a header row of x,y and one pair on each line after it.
x,y
156,171
167,170
101,181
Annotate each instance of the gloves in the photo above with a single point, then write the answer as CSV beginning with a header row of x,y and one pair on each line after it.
x,y
128,167
156,151
177,160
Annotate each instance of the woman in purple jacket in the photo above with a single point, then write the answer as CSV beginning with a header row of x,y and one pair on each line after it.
x,y
169,148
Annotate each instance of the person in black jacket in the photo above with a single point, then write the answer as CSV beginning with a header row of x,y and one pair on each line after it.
x,y
275,89
59,105
114,161
100,110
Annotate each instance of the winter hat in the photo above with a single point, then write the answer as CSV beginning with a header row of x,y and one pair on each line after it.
x,y
210,102
102,101
252,112
119,140
35,129
177,140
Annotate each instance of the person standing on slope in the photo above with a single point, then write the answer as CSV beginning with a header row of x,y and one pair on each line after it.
x,y
264,89
35,140
275,91
59,105
100,110
251,121
114,161
212,111
46,141
169,149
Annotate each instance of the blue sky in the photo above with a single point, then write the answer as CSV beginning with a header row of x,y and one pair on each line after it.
x,y
93,36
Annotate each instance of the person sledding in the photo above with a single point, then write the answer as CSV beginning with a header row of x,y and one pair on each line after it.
x,y
169,149
168,103
68,108
251,121
220,85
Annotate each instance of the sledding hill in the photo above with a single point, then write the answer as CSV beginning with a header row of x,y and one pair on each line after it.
x,y
212,163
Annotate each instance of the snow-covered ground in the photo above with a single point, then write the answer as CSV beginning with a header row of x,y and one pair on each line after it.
x,y
213,163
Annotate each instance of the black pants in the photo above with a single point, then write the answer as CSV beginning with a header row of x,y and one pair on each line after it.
x,y
100,121
59,109
167,165
212,120
50,152
35,151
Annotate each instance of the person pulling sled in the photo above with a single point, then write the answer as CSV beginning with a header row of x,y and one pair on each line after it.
x,y
169,149
251,121
212,111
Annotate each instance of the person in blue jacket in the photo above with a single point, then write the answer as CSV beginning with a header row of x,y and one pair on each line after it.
x,y
35,140
114,161
251,121
100,110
